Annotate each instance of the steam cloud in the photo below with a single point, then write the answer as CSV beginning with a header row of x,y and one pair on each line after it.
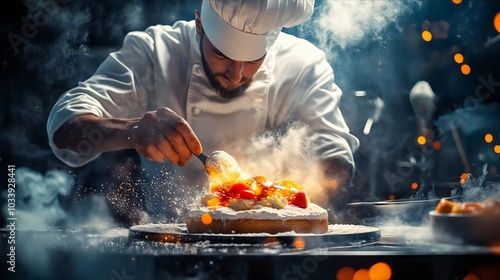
x,y
286,155
38,202
37,197
477,188
346,23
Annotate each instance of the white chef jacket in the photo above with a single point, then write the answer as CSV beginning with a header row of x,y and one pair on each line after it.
x,y
162,67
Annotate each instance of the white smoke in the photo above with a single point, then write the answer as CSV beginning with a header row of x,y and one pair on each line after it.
x,y
345,23
37,197
284,155
477,188
38,202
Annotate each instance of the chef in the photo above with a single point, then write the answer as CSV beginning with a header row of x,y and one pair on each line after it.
x,y
205,85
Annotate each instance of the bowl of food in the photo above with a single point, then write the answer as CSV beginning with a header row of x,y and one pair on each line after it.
x,y
475,223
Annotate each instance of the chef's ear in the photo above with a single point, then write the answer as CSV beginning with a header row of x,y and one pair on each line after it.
x,y
197,20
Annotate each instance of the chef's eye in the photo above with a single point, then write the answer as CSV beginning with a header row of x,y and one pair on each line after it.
x,y
219,55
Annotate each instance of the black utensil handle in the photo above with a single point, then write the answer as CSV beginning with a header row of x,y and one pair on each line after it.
x,y
202,157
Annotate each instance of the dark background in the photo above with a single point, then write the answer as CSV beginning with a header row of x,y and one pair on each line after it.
x,y
47,46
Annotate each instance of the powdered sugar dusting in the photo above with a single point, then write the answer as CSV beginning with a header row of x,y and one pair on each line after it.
x,y
312,212
349,229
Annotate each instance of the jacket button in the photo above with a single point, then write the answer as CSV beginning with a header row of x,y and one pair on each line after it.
x,y
196,110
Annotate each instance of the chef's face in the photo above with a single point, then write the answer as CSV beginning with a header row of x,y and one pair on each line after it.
x,y
230,78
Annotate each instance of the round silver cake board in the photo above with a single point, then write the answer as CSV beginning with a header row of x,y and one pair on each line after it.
x,y
338,235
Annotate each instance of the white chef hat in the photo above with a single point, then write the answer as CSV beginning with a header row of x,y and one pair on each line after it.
x,y
244,30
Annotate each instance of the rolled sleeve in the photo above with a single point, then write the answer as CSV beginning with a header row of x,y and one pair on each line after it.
x,y
116,90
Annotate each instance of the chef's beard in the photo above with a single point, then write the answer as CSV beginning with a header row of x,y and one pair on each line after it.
x,y
221,90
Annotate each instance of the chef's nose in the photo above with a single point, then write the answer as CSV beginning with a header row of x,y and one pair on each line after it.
x,y
234,71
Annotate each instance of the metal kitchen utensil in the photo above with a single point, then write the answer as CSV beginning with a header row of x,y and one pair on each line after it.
x,y
202,157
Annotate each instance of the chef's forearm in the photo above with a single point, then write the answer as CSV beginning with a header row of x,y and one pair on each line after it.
x,y
104,134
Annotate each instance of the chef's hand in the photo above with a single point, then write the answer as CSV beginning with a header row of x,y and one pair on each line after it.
x,y
163,135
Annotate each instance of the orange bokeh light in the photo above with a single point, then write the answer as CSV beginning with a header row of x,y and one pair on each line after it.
x,y
414,186
299,243
345,273
380,271
465,68
496,22
497,149
392,197
361,274
488,138
421,140
456,1
471,277
206,219
483,271
436,145
463,177
495,247
458,57
426,35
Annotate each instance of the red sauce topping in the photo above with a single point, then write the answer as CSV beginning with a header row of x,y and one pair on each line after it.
x,y
259,188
